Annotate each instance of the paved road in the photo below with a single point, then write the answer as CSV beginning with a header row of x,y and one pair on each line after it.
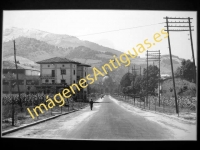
x,y
109,119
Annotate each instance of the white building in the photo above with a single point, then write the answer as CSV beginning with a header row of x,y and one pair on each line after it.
x,y
28,77
164,76
57,72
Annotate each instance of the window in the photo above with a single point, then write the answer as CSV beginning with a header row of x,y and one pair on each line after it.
x,y
74,72
21,82
32,82
46,81
85,73
5,82
63,71
62,81
29,82
53,73
78,77
74,81
53,81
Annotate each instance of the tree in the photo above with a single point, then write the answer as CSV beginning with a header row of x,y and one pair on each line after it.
x,y
153,74
186,70
126,81
138,84
124,90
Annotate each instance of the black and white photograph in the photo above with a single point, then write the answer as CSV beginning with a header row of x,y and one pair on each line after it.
x,y
87,74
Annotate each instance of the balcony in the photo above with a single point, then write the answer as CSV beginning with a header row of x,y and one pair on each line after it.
x,y
53,84
47,76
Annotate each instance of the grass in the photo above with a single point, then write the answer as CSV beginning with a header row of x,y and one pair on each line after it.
x,y
185,113
189,88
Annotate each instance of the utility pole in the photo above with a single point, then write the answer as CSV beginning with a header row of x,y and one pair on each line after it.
x,y
184,26
189,25
177,111
134,75
134,70
159,79
155,56
17,76
128,69
192,49
147,81
182,22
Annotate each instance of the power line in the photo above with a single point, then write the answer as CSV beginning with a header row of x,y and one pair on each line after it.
x,y
120,29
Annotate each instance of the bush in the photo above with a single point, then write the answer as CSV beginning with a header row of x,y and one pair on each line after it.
x,y
6,111
21,116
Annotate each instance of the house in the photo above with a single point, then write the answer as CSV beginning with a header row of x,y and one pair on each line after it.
x,y
59,72
165,76
27,78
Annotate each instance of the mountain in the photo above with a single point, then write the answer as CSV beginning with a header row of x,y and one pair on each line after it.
x,y
60,40
32,49
34,45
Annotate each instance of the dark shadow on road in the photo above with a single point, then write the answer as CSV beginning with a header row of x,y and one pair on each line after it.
x,y
102,102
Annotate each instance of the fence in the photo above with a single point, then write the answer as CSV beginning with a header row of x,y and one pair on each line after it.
x,y
167,105
15,115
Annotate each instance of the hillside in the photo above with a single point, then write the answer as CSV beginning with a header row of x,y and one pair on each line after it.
x,y
189,89
60,40
32,49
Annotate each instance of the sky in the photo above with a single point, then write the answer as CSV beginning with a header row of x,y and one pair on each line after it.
x,y
118,29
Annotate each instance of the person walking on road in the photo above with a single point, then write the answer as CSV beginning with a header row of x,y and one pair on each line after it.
x,y
91,104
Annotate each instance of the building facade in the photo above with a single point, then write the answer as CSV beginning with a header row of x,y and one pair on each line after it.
x,y
28,77
57,73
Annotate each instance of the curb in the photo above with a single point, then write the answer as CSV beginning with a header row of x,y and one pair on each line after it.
x,y
40,121
180,119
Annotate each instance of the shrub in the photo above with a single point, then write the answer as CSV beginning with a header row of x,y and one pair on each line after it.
x,y
21,116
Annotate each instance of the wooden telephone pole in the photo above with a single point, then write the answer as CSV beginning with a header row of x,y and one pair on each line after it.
x,y
192,48
176,29
17,76
134,70
183,26
154,56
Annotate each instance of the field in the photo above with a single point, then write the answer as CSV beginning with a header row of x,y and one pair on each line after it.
x,y
11,110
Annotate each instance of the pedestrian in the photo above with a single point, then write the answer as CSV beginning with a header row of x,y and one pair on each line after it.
x,y
91,104
72,102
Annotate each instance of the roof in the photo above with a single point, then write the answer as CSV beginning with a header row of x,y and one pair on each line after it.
x,y
11,65
57,60
164,75
84,65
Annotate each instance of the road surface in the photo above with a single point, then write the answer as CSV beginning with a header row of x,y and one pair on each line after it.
x,y
110,120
